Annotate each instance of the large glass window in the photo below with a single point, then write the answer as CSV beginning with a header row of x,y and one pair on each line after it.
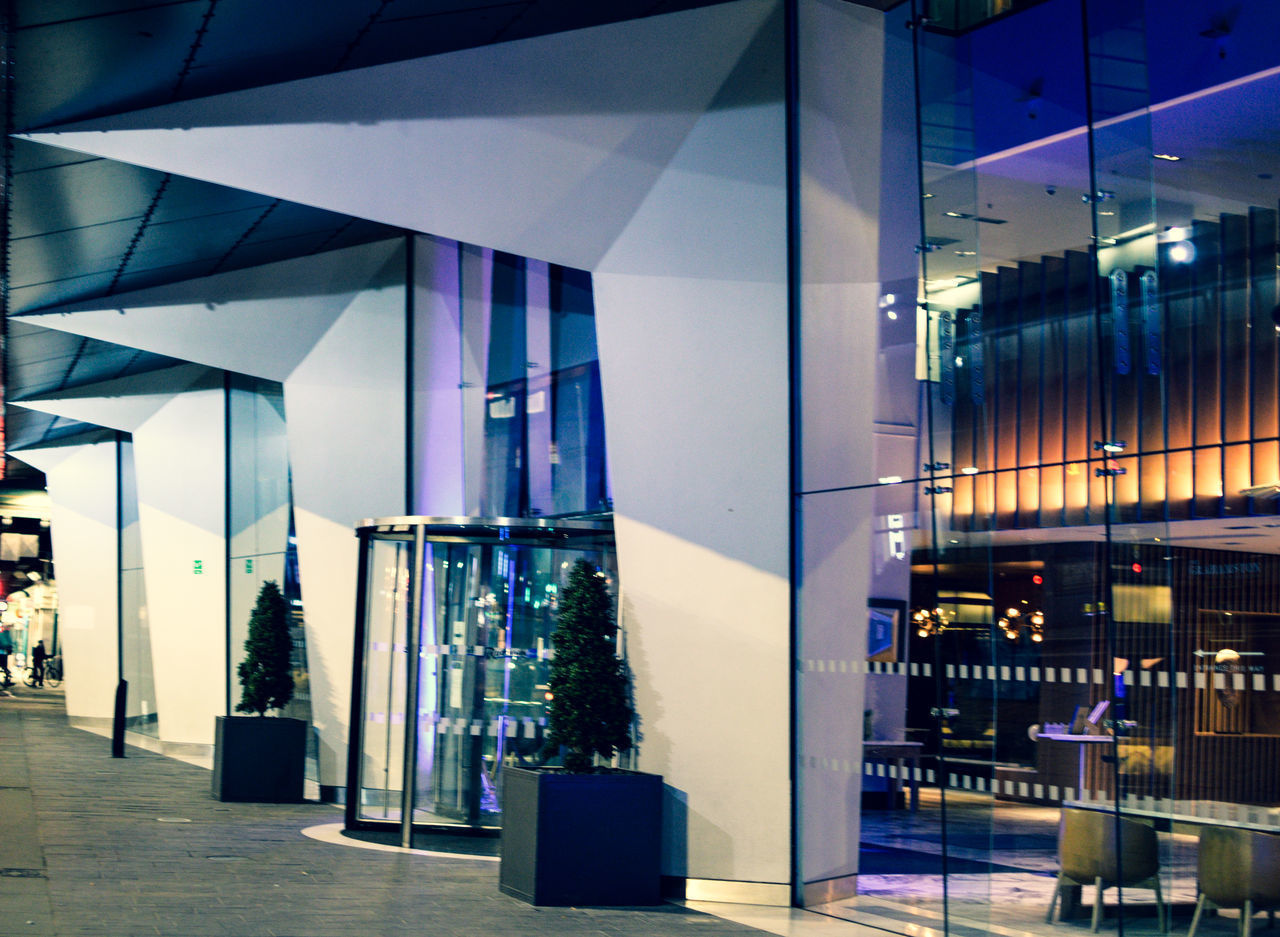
x,y
135,631
1090,615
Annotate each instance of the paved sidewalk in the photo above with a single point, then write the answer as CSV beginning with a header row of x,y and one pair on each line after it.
x,y
91,845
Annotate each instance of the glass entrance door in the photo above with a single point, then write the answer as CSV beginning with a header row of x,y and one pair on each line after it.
x,y
474,602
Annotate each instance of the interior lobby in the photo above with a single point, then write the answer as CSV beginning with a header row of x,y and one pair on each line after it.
x,y
910,369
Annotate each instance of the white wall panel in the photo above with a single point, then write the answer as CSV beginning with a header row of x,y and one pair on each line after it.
x,y
346,423
691,314
836,549
847,342
179,460
123,403
695,394
82,491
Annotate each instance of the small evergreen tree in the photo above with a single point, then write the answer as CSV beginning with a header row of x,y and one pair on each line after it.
x,y
265,675
589,712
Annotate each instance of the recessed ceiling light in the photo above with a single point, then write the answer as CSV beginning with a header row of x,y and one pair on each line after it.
x,y
966,253
1106,213
1169,156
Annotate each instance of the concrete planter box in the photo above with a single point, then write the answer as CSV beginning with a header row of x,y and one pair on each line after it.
x,y
259,759
581,839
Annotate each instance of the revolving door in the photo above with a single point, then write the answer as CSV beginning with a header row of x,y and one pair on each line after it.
x,y
452,645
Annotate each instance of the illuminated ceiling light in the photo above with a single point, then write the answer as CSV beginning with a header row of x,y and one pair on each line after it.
x,y
889,479
929,621
966,253
1106,213
957,214
969,470
1111,445
1167,156
891,314
887,300
927,195
1182,252
1173,233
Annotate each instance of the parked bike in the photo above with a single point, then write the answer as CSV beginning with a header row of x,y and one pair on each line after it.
x,y
52,673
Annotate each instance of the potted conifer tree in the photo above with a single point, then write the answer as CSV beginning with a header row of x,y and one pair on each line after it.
x,y
257,758
585,833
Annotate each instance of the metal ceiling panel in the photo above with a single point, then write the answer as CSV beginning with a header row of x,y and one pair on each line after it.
x,y
78,196
65,290
190,198
99,62
251,43
75,253
433,32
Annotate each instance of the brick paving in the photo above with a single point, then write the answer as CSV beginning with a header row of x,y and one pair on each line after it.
x,y
95,845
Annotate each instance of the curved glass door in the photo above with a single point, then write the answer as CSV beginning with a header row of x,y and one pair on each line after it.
x,y
474,602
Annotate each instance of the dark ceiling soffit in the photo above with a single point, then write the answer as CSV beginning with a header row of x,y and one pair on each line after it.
x,y
881,5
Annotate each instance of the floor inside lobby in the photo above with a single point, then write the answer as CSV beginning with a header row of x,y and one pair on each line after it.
x,y
1002,872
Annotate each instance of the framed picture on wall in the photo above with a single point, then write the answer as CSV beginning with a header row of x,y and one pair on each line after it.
x,y
887,620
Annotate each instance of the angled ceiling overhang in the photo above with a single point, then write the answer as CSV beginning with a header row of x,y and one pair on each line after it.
x,y
124,403
544,147
259,321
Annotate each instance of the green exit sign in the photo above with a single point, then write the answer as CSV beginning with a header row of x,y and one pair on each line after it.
x,y
199,567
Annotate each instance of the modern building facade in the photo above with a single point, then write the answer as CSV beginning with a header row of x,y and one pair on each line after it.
x,y
920,363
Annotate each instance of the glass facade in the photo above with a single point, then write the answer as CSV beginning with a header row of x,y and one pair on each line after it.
x,y
509,381
135,632
1088,627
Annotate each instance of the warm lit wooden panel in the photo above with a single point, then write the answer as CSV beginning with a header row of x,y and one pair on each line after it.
x,y
1180,484
1234,305
1206,377
1265,341
1152,487
1236,472
1208,481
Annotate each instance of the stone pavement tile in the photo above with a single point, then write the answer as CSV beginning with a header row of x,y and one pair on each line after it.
x,y
137,846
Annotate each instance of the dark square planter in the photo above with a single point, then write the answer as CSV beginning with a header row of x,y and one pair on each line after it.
x,y
581,839
259,759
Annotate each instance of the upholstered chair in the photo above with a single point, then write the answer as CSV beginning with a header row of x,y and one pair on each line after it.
x,y
1088,855
1237,869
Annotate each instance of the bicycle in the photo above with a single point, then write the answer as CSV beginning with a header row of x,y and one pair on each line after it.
x,y
52,673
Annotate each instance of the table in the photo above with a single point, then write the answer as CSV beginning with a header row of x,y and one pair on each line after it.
x,y
900,753
1082,741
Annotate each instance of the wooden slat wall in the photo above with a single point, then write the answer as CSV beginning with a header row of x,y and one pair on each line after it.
x,y
1197,433
1227,599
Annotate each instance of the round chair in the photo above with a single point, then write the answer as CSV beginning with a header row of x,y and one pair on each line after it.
x,y
1237,869
1087,855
